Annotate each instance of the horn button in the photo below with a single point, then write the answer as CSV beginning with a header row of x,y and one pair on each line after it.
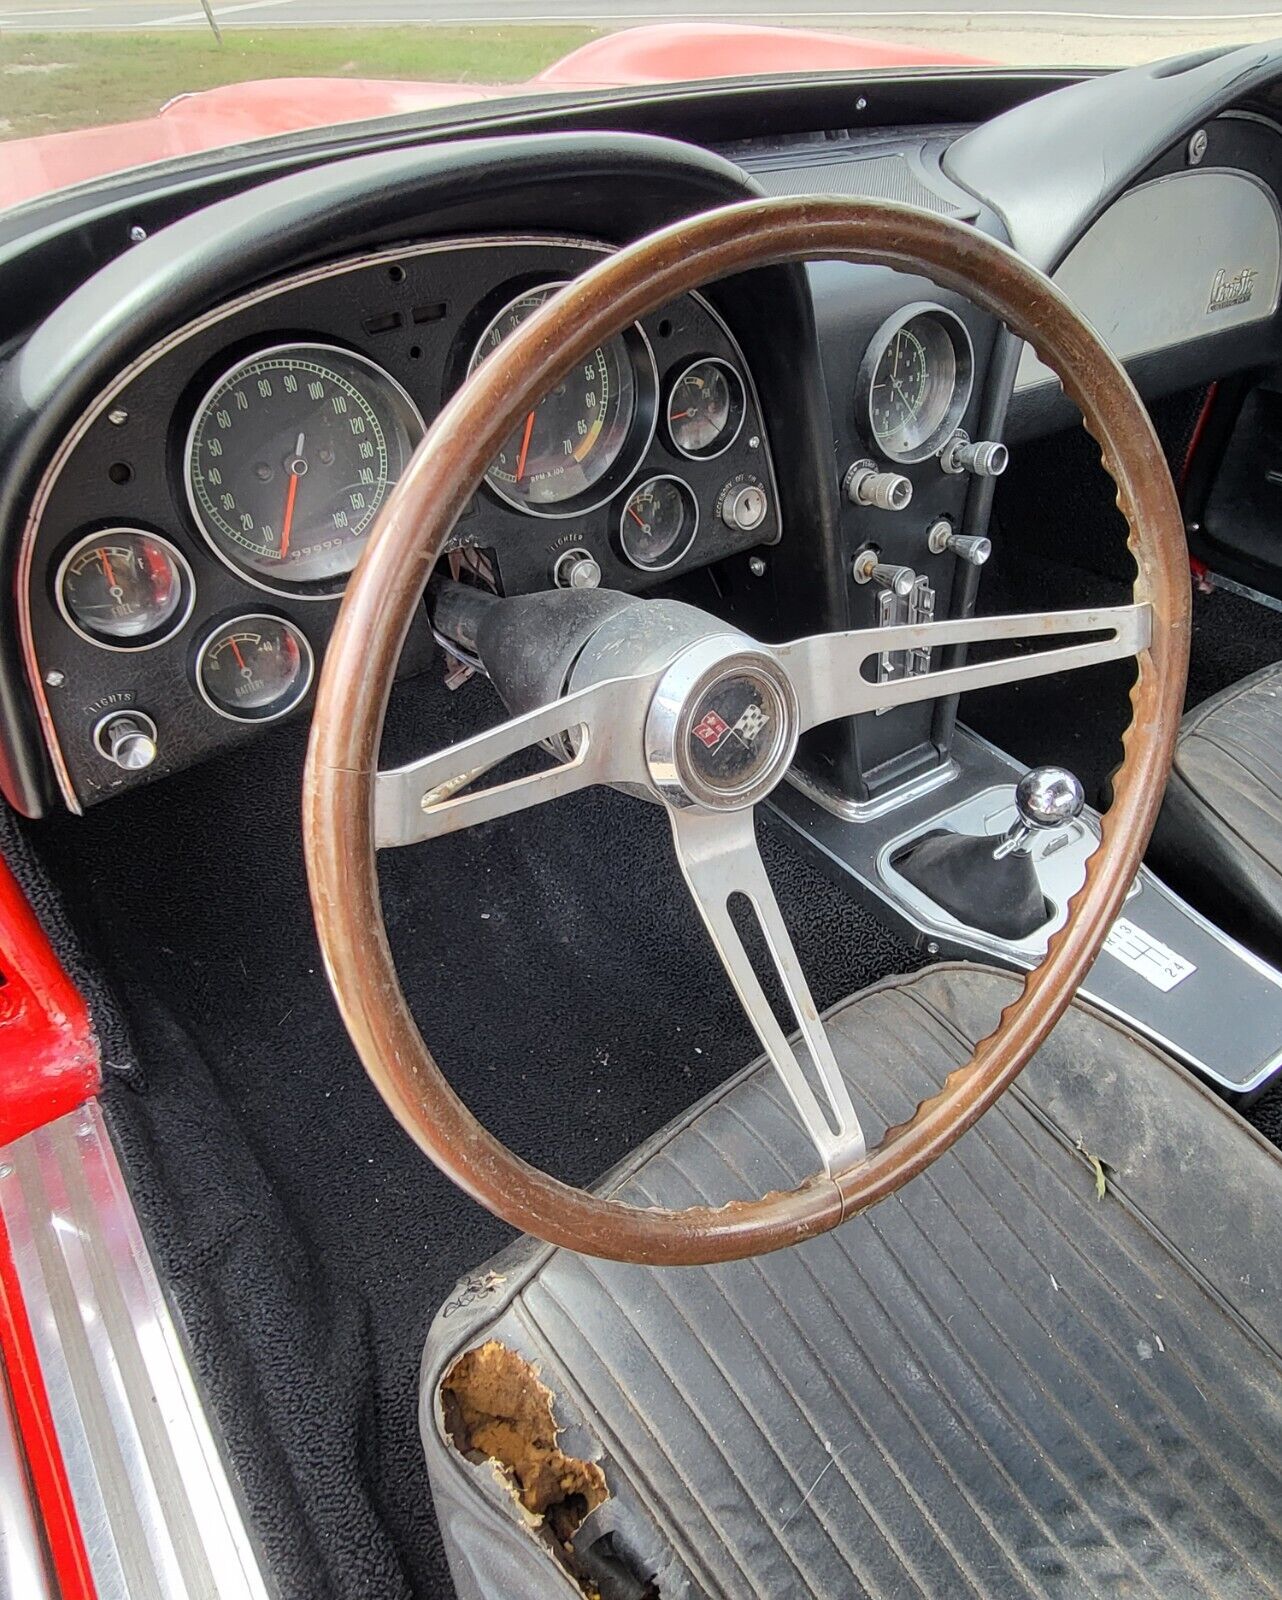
x,y
722,727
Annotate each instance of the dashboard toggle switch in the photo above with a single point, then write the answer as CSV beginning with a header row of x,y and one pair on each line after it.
x,y
986,458
866,568
128,739
866,485
942,539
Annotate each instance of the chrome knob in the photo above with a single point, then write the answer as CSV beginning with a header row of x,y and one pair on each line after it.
x,y
986,458
973,548
866,568
1045,798
129,740
576,569
865,485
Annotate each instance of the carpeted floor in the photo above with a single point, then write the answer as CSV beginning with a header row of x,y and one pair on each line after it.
x,y
555,963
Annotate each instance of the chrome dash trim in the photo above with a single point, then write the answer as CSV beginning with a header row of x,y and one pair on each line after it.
x,y
152,1494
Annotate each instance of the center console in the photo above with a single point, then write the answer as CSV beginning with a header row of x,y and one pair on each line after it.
x,y
1164,969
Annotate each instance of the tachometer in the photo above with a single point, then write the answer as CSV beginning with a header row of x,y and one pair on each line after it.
x,y
585,438
290,458
915,382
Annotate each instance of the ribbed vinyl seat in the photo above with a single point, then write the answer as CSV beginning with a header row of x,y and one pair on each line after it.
x,y
994,1384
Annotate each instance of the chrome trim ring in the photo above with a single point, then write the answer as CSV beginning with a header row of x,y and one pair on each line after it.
x,y
309,666
692,509
739,384
180,618
286,591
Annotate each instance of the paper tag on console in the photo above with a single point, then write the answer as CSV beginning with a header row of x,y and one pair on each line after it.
x,y
1155,962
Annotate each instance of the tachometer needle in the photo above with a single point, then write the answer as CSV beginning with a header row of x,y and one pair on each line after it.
x,y
525,447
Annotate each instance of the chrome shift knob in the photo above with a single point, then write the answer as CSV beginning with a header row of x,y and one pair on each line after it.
x,y
1046,797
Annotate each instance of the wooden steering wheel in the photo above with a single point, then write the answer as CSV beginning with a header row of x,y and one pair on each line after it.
x,y
635,725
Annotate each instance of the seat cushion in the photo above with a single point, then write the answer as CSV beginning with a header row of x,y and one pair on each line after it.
x,y
1219,838
999,1383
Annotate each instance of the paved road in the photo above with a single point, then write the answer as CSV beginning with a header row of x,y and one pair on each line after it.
x,y
1247,17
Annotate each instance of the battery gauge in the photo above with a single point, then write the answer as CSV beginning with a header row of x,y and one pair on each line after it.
x,y
254,668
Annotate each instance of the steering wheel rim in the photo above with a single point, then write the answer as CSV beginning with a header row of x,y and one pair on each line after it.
x,y
385,589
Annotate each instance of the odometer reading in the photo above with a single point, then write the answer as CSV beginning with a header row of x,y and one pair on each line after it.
x,y
290,459
572,451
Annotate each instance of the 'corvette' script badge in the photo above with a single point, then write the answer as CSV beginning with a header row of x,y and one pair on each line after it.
x,y
1233,290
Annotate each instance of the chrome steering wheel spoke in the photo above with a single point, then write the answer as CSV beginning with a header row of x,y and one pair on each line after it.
x,y
826,669
720,860
602,724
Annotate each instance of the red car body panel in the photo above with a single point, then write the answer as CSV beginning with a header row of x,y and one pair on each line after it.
x,y
49,1062
669,53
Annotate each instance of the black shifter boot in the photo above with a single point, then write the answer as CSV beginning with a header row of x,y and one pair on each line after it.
x,y
959,872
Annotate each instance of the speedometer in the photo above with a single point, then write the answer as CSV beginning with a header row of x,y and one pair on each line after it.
x,y
582,441
915,383
291,456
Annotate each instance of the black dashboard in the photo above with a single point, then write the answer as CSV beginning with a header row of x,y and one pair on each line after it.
x,y
200,432
190,542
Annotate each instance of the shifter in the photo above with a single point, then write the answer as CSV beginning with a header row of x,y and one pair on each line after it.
x,y
996,889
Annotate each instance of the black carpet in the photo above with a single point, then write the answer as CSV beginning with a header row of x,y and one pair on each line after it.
x,y
555,963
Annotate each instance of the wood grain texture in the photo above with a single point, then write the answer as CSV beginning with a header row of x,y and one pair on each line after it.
x,y
386,588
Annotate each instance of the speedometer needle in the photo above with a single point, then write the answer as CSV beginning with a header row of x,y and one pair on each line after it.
x,y
296,469
525,447
291,494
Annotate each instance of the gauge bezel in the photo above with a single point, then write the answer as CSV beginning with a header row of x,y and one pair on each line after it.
x,y
150,641
958,336
738,383
325,347
692,506
237,621
641,429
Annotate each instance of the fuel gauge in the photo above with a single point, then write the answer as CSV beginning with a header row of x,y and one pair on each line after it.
x,y
254,668
124,589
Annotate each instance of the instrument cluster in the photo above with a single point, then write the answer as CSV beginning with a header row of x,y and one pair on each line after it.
x,y
192,542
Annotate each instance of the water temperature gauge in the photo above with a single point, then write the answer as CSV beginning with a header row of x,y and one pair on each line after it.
x,y
254,668
124,589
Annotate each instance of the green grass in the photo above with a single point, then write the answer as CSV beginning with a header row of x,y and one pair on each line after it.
x,y
53,81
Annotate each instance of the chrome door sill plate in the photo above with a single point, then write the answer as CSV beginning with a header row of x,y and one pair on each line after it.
x,y
151,1492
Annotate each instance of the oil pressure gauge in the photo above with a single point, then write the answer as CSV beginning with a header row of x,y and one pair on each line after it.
x,y
659,523
254,668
